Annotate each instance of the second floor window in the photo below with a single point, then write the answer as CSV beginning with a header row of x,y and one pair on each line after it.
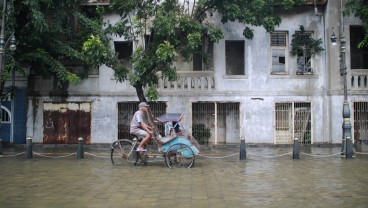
x,y
124,49
359,56
204,63
234,52
278,52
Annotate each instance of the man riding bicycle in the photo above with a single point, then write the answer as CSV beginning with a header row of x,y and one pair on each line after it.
x,y
139,128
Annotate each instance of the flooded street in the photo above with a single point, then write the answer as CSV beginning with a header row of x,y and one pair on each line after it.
x,y
267,181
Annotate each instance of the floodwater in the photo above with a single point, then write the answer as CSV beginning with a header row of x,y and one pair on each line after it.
x,y
269,177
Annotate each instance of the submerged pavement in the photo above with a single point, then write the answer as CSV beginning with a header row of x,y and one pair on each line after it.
x,y
267,178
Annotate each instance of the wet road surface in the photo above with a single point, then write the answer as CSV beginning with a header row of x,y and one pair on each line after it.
x,y
273,180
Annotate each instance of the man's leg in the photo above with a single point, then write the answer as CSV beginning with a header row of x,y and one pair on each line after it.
x,y
144,141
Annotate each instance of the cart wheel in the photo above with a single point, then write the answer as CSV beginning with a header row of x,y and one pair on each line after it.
x,y
179,156
122,153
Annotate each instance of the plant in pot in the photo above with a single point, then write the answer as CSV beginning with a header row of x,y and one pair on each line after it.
x,y
201,133
304,46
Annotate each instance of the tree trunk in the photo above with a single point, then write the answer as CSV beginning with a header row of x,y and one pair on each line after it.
x,y
140,92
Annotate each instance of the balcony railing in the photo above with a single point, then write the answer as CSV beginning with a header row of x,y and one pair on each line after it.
x,y
189,81
359,80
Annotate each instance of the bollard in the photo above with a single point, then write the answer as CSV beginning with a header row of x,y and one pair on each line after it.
x,y
80,148
243,151
1,147
296,149
349,148
29,148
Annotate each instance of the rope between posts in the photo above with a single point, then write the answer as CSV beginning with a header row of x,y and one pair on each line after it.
x,y
270,156
321,155
12,155
87,153
361,153
39,154
218,157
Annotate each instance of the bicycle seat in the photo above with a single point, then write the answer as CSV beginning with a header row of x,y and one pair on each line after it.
x,y
133,136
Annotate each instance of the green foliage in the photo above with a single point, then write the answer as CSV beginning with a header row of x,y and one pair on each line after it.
x,y
179,28
360,9
54,34
201,133
303,42
152,93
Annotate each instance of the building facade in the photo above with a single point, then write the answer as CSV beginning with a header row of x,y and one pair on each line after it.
x,y
249,88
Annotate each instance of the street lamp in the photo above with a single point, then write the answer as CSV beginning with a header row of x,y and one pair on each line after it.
x,y
346,145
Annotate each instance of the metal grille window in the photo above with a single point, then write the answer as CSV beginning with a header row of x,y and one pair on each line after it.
x,y
216,122
293,120
126,111
278,52
5,115
360,121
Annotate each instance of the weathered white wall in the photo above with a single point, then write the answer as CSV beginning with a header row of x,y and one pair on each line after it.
x,y
323,89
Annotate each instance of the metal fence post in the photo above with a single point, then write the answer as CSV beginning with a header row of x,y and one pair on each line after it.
x,y
296,149
80,148
349,148
1,147
29,148
243,151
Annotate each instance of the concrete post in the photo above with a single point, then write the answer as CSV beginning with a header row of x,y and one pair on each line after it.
x,y
349,148
1,147
296,149
80,148
243,151
29,148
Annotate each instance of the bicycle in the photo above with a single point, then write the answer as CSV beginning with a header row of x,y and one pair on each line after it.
x,y
177,150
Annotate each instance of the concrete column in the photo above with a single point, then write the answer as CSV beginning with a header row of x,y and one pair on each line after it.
x,y
296,149
80,148
243,151
29,148
349,148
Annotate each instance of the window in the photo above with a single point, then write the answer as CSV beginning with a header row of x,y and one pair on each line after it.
x,y
5,115
358,56
124,50
361,122
303,57
226,128
205,63
278,52
234,57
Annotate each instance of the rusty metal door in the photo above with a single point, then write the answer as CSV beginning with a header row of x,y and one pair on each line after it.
x,y
64,123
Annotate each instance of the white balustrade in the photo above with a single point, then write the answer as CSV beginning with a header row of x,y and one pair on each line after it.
x,y
189,81
359,80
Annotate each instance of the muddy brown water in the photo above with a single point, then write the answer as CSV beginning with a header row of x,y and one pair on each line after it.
x,y
267,178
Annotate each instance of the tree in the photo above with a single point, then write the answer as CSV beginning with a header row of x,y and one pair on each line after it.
x,y
54,35
360,9
163,29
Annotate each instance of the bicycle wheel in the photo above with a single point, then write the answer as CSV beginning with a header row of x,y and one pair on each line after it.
x,y
122,152
179,156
